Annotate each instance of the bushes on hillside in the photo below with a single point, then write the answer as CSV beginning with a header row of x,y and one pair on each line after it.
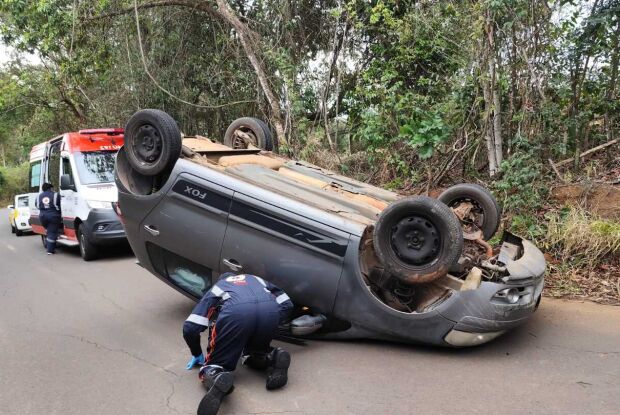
x,y
13,180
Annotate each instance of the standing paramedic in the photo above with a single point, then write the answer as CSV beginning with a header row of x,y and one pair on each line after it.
x,y
243,313
48,203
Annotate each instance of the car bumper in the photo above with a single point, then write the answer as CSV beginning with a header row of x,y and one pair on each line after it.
x,y
23,224
103,227
482,314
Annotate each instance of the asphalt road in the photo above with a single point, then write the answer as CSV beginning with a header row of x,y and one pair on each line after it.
x,y
105,338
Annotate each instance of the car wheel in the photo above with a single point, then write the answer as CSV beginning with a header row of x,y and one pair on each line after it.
x,y
88,251
475,207
12,229
152,142
18,232
417,239
253,131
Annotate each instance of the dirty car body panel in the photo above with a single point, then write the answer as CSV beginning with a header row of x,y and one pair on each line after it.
x,y
306,230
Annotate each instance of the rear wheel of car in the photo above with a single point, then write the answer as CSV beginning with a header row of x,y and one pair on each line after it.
x,y
152,142
417,239
88,251
246,131
475,207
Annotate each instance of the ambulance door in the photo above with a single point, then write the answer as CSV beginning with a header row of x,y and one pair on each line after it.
x,y
68,195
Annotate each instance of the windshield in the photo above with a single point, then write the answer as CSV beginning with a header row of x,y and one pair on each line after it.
x,y
95,166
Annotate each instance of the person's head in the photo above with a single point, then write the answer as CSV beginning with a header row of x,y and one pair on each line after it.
x,y
47,186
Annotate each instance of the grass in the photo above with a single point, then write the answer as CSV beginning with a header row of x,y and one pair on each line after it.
x,y
582,238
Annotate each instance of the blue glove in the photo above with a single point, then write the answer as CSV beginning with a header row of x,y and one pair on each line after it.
x,y
197,360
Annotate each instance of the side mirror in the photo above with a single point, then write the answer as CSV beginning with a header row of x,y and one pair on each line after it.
x,y
10,207
66,182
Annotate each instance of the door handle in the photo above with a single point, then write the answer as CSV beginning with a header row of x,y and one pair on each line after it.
x,y
232,264
152,230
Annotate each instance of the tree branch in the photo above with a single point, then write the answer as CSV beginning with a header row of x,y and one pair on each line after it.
x,y
191,4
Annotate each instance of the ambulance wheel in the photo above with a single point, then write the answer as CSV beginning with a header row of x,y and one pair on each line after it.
x,y
88,251
152,141
12,229
18,232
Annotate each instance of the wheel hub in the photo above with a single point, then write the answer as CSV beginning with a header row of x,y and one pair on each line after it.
x,y
147,144
415,240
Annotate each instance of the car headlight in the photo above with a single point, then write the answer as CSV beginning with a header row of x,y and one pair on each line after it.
x,y
511,295
97,204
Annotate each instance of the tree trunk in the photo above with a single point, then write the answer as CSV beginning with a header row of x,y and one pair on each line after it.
x,y
610,94
492,99
249,42
497,109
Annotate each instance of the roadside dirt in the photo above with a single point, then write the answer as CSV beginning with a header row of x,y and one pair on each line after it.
x,y
601,199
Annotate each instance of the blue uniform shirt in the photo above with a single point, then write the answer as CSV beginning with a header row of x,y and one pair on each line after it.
x,y
237,289
48,201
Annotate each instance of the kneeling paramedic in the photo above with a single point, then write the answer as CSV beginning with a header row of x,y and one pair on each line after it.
x,y
48,203
243,313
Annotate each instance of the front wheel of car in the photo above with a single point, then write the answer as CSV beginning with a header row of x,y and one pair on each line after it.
x,y
475,207
18,232
88,251
13,229
152,142
417,239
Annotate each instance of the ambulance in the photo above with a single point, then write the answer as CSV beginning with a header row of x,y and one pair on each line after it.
x,y
80,166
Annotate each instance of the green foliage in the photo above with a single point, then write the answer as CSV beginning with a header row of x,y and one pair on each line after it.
x,y
521,186
13,181
425,135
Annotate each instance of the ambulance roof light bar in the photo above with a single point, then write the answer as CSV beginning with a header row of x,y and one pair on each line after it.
x,y
108,131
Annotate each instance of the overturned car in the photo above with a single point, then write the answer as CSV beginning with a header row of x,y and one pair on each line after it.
x,y
369,262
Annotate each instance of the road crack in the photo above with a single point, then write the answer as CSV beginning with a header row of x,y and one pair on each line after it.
x,y
123,351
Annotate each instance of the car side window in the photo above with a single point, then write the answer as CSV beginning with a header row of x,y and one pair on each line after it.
x,y
22,201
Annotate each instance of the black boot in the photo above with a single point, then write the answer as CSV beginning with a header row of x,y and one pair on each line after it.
x,y
277,371
219,383
256,361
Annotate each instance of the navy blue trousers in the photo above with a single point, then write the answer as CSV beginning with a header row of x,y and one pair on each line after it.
x,y
51,222
242,328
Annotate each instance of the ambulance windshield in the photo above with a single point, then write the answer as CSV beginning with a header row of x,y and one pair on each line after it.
x,y
95,166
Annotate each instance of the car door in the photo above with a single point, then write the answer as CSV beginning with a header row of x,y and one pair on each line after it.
x,y
298,254
185,231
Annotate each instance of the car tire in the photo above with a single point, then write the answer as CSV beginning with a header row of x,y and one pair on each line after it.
x,y
257,129
484,202
13,229
418,239
18,232
88,251
152,141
